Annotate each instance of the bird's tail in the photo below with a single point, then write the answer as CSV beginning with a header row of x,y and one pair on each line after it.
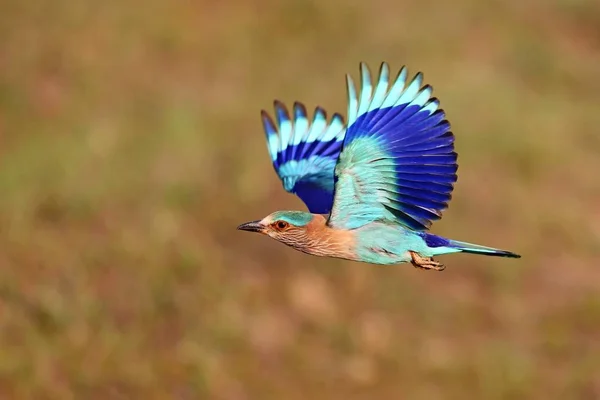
x,y
483,250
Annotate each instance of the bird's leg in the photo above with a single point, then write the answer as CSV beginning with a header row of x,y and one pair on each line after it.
x,y
425,262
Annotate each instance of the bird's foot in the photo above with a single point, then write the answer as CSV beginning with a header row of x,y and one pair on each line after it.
x,y
425,262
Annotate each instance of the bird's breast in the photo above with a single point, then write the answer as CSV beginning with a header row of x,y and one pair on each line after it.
x,y
328,242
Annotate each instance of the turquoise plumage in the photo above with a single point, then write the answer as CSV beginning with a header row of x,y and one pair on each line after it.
x,y
383,178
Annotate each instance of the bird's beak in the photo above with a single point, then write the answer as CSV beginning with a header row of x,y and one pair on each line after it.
x,y
253,226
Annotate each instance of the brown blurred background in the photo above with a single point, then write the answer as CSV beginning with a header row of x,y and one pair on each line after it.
x,y
131,148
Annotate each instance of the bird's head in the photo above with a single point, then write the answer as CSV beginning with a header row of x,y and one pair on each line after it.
x,y
289,227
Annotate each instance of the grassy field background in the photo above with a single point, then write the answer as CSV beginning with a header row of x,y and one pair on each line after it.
x,y
131,148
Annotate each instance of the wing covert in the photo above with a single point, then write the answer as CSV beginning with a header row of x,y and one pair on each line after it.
x,y
398,162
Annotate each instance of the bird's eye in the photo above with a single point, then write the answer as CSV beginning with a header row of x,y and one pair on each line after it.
x,y
281,225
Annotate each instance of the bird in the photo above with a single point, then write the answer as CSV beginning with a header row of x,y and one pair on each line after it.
x,y
374,185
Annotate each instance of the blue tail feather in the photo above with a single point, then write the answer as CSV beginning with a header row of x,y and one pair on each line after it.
x,y
437,241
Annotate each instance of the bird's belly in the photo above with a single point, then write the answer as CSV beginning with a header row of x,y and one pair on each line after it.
x,y
383,257
388,245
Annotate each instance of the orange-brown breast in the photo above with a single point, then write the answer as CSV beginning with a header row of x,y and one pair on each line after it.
x,y
328,242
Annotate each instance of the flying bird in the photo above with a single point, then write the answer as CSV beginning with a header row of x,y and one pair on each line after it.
x,y
373,185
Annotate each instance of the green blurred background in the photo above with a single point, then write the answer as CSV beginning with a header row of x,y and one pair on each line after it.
x,y
131,148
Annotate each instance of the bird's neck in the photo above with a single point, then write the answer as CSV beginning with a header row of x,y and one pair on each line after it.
x,y
327,242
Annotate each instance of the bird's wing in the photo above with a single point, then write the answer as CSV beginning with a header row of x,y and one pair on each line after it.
x,y
304,153
398,162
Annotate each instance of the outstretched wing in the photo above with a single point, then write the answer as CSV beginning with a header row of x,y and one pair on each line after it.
x,y
304,154
398,162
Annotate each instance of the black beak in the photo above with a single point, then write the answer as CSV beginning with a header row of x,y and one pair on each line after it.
x,y
253,226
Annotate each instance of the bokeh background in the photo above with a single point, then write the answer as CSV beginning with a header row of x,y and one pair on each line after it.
x,y
131,148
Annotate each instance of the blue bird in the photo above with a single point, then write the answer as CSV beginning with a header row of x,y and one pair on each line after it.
x,y
373,186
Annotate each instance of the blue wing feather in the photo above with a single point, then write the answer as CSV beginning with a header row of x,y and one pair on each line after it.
x,y
304,152
398,161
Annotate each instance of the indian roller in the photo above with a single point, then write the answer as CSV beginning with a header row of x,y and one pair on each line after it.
x,y
374,185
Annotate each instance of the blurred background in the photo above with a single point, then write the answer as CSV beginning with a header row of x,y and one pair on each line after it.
x,y
131,148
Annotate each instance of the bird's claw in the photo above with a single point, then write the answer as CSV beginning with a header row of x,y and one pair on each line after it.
x,y
425,262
